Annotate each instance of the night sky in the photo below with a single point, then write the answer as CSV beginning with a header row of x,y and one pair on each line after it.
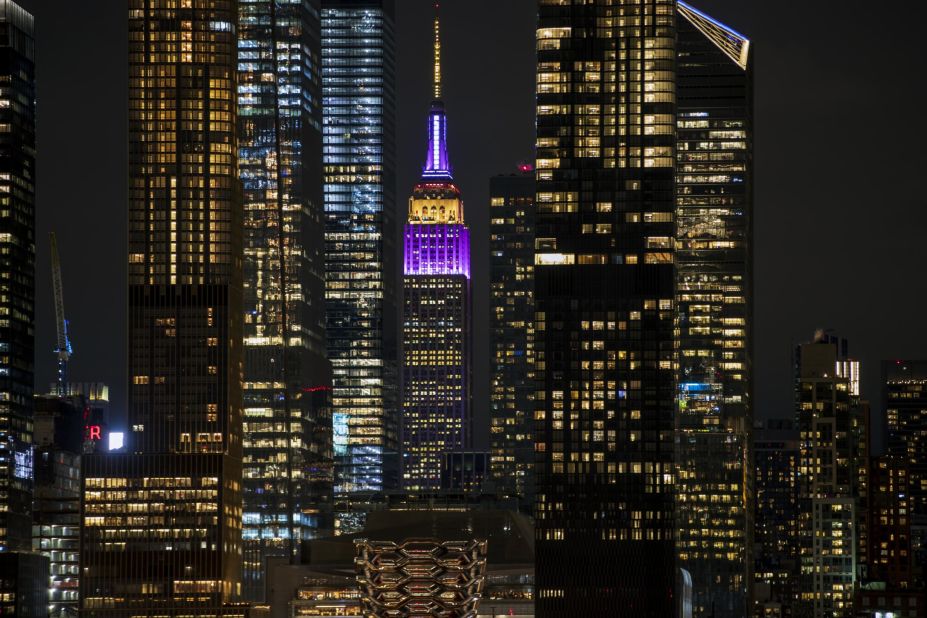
x,y
840,161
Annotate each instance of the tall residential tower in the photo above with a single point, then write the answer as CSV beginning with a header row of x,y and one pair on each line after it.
x,y
833,429
17,274
714,312
436,312
604,317
161,531
358,81
287,416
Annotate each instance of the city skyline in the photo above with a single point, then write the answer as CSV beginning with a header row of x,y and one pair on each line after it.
x,y
779,213
606,355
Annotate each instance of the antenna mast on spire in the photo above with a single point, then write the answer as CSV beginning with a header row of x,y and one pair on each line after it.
x,y
437,76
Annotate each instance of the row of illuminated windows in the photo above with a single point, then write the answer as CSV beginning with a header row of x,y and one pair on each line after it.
x,y
160,181
179,481
113,501
567,259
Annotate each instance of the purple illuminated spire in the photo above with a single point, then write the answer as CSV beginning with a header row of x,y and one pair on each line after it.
x,y
437,165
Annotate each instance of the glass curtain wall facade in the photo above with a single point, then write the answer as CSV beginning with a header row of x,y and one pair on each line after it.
x,y
287,467
358,77
511,200
436,345
17,273
161,523
604,318
714,308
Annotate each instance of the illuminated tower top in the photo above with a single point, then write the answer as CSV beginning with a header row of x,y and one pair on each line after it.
x,y
437,239
437,166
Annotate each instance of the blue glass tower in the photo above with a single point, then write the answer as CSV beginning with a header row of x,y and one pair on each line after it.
x,y
287,414
358,74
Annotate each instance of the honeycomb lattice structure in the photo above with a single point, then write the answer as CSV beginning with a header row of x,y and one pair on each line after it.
x,y
420,577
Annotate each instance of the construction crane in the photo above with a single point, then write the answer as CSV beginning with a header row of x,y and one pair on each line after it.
x,y
63,349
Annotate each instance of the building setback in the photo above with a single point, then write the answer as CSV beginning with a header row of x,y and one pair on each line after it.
x,y
511,199
287,387
17,274
436,371
161,530
358,79
604,293
714,312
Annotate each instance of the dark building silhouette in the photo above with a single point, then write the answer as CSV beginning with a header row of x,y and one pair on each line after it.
x,y
359,106
464,471
60,435
162,522
714,309
776,555
23,585
511,200
904,400
605,285
436,338
287,465
17,272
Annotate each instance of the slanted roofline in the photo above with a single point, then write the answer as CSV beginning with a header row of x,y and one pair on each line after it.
x,y
735,45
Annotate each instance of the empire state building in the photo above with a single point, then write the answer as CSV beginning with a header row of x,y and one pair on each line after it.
x,y
436,311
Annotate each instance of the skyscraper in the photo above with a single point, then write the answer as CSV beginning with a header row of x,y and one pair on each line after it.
x,y
832,424
714,312
904,399
436,311
287,415
17,273
358,80
511,200
604,317
162,522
